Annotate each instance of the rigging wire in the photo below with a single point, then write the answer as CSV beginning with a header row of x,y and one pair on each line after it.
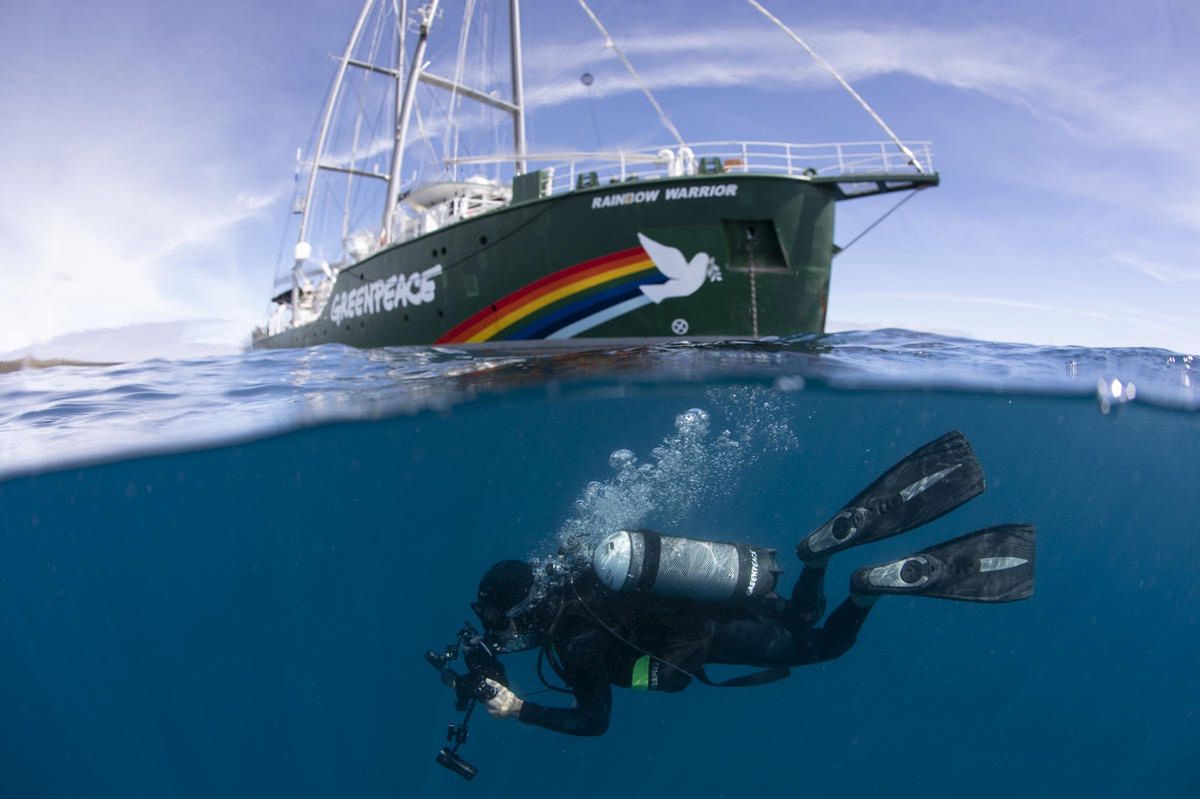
x,y
351,194
353,187
460,66
446,113
433,156
592,114
872,226
487,76
283,268
608,42
446,116
287,230
912,158
376,129
587,78
482,111
325,202
401,25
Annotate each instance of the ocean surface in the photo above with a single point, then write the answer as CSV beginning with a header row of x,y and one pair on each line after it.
x,y
218,576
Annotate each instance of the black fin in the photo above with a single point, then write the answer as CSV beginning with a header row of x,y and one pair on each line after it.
x,y
930,482
992,565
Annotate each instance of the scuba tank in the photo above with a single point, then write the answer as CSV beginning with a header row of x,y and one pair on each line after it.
x,y
644,562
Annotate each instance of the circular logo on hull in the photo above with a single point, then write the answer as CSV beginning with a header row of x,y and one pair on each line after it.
x,y
679,327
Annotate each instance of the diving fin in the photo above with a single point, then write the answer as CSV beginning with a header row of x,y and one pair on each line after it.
x,y
992,565
930,482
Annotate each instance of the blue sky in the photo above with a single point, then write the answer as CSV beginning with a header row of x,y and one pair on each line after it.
x,y
148,150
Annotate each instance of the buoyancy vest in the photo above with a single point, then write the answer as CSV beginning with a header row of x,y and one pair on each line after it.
x,y
658,645
653,649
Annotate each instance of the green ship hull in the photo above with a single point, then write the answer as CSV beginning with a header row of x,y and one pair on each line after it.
x,y
700,257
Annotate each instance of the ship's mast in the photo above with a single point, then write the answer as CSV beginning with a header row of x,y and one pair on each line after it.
x,y
427,14
518,84
418,74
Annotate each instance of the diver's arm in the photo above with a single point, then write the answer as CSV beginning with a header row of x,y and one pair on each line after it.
x,y
582,657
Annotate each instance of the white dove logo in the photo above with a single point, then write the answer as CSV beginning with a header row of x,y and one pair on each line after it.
x,y
684,276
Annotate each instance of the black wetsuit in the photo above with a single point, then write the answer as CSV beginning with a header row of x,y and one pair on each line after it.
x,y
592,659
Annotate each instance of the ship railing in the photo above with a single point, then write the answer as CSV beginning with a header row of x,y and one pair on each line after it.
x,y
759,157
570,171
420,221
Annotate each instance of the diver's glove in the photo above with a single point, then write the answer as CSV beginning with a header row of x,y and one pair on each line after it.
x,y
505,704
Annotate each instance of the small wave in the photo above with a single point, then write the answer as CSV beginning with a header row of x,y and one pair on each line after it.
x,y
64,411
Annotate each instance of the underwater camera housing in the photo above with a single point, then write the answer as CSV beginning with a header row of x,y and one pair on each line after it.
x,y
469,689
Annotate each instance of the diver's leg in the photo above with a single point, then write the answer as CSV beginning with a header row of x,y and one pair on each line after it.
x,y
807,605
767,642
840,630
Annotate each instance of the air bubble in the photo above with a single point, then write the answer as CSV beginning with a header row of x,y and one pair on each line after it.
x,y
622,459
692,422
688,469
1114,393
790,383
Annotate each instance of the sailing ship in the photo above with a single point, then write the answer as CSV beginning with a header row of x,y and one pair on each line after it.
x,y
692,240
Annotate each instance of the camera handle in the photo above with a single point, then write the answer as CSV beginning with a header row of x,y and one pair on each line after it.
x,y
456,736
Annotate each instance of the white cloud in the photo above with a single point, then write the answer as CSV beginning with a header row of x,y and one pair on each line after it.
x,y
1038,72
1163,272
1059,312
116,242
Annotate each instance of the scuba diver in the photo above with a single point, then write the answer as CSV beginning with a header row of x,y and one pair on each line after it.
x,y
650,611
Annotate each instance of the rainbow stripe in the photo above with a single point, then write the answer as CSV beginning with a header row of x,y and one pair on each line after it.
x,y
565,303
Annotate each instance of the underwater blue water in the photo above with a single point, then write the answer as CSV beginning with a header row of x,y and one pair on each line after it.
x,y
218,577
